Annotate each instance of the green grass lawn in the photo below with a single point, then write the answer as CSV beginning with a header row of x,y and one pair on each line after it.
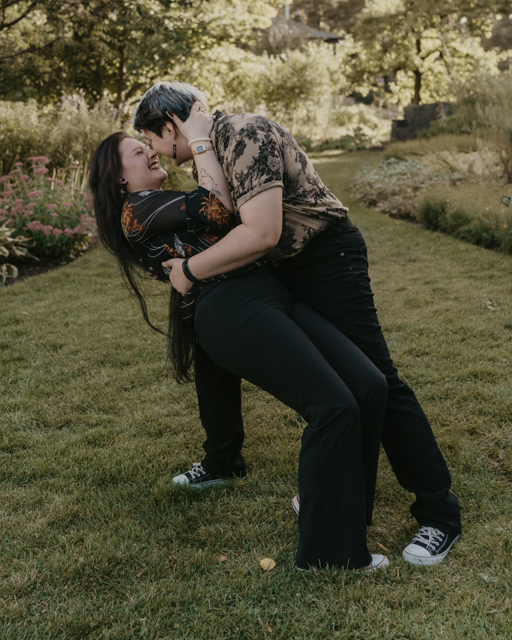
x,y
96,543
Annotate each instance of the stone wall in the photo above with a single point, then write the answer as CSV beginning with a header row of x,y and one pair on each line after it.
x,y
418,118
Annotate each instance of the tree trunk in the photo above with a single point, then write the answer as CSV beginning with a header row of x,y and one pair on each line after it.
x,y
417,77
120,81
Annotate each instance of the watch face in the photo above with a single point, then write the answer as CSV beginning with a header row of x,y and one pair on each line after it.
x,y
200,148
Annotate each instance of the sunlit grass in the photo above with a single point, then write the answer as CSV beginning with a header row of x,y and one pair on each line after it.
x,y
96,543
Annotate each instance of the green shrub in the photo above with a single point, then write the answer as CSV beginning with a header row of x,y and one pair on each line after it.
x,y
68,133
11,247
53,212
469,212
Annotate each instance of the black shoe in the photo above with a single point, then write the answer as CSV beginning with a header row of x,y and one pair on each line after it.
x,y
429,546
199,477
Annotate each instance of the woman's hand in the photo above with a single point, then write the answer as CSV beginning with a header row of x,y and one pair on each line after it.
x,y
177,277
198,125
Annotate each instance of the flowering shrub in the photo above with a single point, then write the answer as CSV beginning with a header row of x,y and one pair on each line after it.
x,y
52,212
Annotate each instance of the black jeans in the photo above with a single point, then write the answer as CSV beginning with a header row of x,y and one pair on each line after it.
x,y
255,329
331,276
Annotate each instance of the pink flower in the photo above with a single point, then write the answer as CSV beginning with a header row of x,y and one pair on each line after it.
x,y
41,159
9,221
4,178
11,173
57,232
68,232
52,207
47,229
18,201
32,205
35,225
8,194
55,215
18,164
31,158
59,182
3,211
67,204
24,177
34,194
27,214
41,170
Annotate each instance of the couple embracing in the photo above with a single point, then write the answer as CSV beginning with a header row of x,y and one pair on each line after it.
x,y
270,283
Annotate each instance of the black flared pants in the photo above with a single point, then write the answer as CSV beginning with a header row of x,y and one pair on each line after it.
x,y
253,328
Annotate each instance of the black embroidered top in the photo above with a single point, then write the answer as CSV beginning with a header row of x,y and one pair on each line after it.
x,y
160,225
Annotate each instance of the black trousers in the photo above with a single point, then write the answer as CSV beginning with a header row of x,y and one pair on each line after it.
x,y
252,327
331,276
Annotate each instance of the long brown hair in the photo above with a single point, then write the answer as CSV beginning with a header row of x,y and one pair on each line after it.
x,y
108,199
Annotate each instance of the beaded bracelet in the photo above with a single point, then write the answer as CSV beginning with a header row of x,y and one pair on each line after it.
x,y
199,140
187,272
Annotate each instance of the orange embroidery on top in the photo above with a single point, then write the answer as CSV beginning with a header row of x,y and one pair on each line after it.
x,y
172,251
129,223
213,209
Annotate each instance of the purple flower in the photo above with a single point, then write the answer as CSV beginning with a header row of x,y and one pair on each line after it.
x,y
8,194
32,205
41,170
11,173
24,177
57,232
18,201
34,194
59,182
3,212
4,178
18,164
47,229
68,232
41,159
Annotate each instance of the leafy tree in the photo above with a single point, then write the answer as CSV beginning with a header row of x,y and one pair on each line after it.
x,y
424,45
119,47
331,15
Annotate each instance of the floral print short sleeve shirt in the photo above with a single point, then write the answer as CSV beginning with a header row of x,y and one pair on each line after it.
x,y
257,154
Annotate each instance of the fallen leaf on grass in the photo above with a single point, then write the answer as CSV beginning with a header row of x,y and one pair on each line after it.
x,y
221,558
267,564
382,547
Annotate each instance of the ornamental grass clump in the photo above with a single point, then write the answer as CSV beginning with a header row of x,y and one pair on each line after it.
x,y
53,212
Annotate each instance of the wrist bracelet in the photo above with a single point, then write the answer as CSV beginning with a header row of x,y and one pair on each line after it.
x,y
199,140
187,272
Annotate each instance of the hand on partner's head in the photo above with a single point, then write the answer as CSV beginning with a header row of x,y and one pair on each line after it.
x,y
198,125
141,167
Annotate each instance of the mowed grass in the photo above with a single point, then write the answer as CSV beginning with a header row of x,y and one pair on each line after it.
x,y
95,541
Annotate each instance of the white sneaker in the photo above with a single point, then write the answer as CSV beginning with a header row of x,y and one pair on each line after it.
x,y
378,562
429,546
296,504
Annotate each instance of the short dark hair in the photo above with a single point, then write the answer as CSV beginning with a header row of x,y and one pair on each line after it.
x,y
173,97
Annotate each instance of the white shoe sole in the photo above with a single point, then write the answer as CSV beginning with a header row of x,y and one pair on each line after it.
x,y
378,562
296,504
426,561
